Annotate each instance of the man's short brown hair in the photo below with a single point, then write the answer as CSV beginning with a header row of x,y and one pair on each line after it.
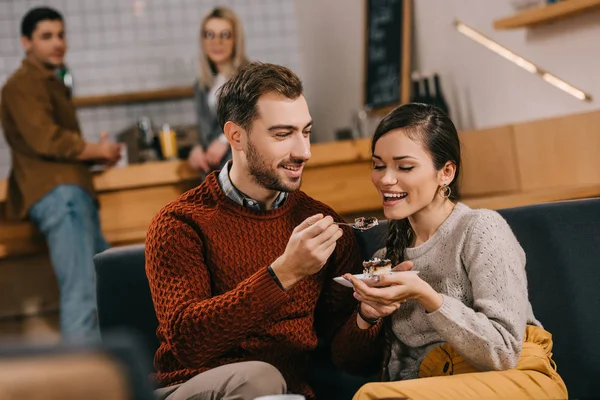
x,y
239,96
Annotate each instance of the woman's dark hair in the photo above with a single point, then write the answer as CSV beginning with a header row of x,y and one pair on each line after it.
x,y
36,15
434,129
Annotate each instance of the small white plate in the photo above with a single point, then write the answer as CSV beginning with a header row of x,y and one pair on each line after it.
x,y
362,277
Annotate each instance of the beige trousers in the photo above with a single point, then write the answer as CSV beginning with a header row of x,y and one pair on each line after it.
x,y
445,375
238,381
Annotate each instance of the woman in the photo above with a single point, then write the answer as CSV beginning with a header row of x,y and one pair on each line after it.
x,y
467,310
222,55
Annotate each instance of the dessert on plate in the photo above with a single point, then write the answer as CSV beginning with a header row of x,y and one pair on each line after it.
x,y
376,266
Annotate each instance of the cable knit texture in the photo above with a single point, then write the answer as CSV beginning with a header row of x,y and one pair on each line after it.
x,y
477,264
216,303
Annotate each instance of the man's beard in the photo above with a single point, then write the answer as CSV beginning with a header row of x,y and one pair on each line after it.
x,y
267,177
43,61
49,65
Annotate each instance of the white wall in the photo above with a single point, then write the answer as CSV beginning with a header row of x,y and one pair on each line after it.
x,y
332,49
482,88
487,90
116,46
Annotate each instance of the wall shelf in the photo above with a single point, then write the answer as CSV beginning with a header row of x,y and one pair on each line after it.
x,y
134,97
541,15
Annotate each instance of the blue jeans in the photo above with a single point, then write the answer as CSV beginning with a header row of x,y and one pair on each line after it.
x,y
68,218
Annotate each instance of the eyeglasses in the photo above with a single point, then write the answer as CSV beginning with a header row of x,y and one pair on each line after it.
x,y
211,35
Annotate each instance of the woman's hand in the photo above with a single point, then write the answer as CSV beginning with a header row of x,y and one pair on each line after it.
x,y
215,152
197,159
387,292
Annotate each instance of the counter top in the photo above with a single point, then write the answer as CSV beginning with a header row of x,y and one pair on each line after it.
x,y
134,176
502,167
167,172
129,197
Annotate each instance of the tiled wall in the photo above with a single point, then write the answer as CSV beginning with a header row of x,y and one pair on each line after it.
x,y
127,45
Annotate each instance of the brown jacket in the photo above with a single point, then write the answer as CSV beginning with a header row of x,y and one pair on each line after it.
x,y
42,130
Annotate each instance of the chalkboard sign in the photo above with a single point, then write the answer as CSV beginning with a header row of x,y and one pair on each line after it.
x,y
387,53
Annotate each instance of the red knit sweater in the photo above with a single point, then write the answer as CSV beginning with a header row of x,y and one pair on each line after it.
x,y
216,303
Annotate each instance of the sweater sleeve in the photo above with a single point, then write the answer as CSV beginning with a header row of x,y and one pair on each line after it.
x,y
490,334
353,349
194,324
208,126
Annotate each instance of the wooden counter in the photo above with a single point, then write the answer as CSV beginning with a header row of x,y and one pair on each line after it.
x,y
502,167
337,174
128,196
514,165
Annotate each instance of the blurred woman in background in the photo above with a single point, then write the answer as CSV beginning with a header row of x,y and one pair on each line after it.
x,y
222,54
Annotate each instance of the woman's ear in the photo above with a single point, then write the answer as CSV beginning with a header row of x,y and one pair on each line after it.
x,y
446,174
233,132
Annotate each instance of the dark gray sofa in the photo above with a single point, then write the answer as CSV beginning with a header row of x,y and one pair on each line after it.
x,y
562,243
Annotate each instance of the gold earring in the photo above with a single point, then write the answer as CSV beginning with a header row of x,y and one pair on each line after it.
x,y
445,191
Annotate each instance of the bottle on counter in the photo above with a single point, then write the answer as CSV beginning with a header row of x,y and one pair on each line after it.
x,y
439,100
168,143
427,98
415,96
149,146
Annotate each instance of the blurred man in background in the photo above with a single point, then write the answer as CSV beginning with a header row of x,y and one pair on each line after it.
x,y
50,181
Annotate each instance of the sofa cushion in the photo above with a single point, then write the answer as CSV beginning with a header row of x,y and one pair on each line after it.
x,y
124,300
562,244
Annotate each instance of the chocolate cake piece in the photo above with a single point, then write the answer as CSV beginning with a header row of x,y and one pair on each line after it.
x,y
364,223
376,267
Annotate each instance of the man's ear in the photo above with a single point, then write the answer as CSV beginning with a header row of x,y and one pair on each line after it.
x,y
26,43
234,134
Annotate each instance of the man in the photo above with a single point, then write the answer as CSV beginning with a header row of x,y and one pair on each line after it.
x,y
50,181
241,267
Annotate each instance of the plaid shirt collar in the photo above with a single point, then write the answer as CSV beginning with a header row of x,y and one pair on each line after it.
x,y
239,197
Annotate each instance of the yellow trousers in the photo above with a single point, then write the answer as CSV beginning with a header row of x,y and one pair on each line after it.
x,y
445,375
